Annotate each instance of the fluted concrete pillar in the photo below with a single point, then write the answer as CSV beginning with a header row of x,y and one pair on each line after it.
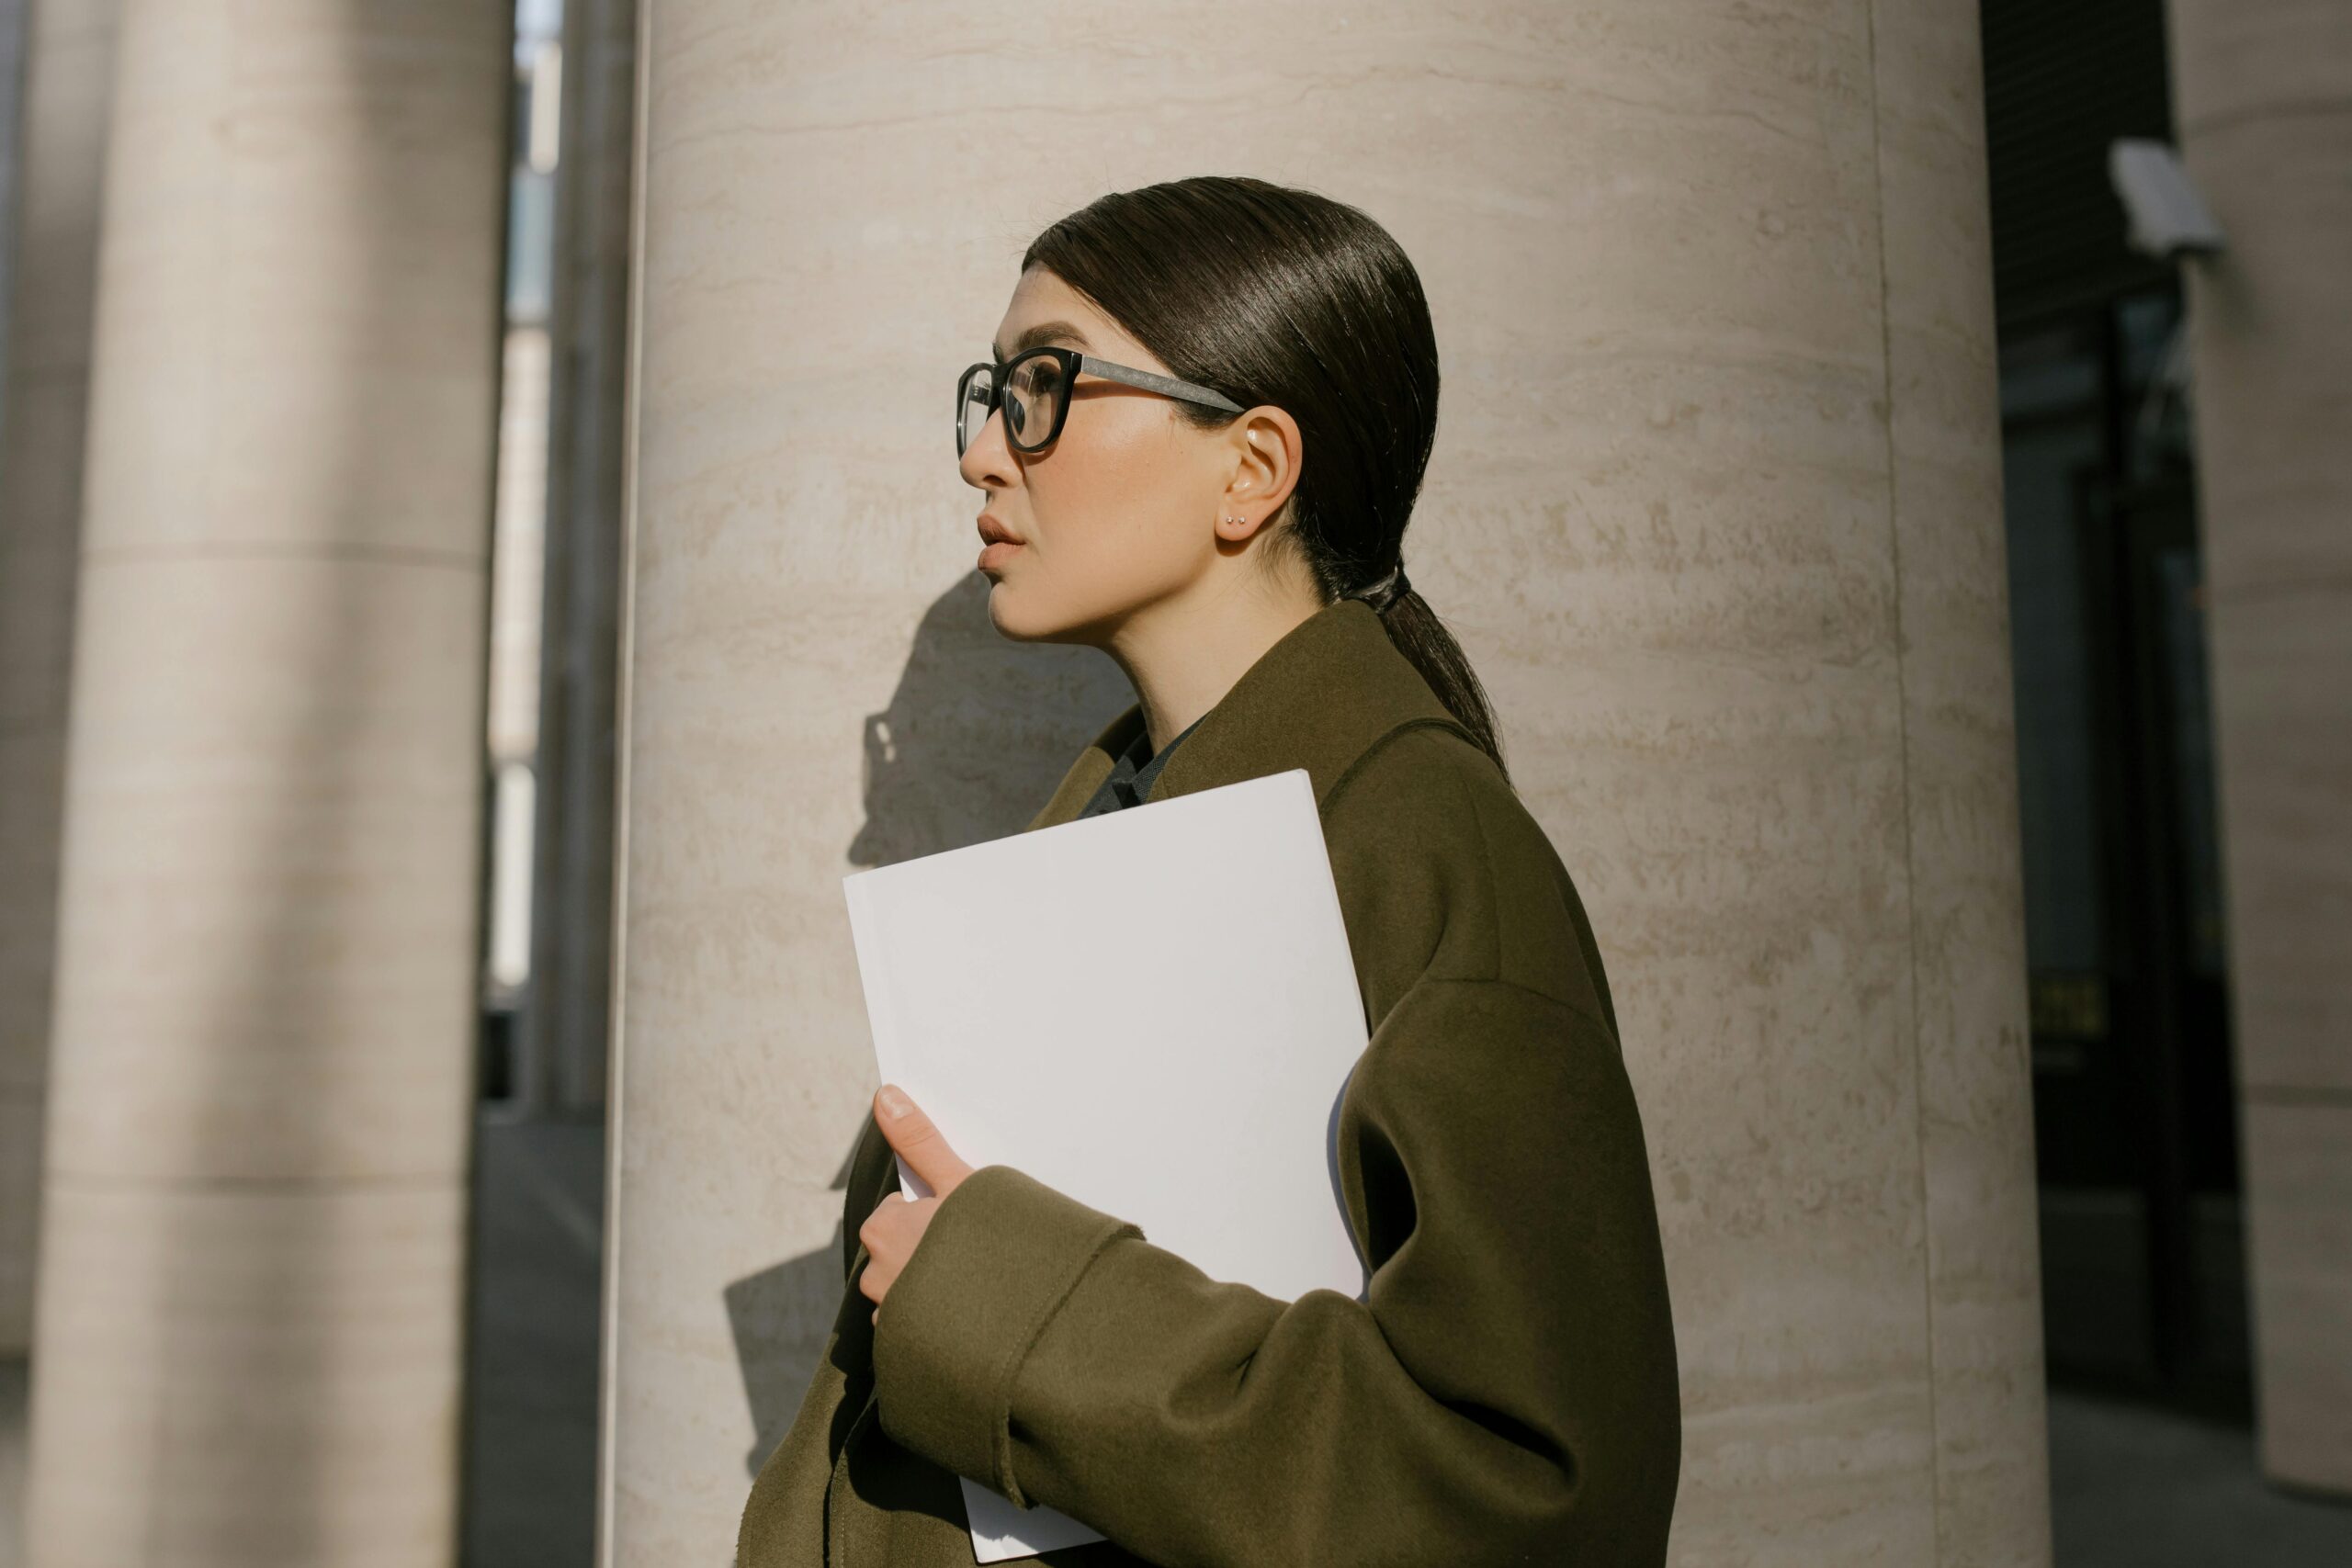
x,y
248,1314
1715,507
67,83
2263,98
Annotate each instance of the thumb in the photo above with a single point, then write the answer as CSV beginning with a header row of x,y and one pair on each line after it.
x,y
917,1141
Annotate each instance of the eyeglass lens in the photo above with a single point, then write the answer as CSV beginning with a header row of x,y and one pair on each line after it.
x,y
1031,402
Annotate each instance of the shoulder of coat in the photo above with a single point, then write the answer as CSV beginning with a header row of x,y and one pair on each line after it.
x,y
1444,873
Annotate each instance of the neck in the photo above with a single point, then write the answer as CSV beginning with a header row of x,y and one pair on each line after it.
x,y
1184,653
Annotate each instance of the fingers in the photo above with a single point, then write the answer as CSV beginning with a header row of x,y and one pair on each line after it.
x,y
917,1140
886,1246
874,1279
871,1232
873,1286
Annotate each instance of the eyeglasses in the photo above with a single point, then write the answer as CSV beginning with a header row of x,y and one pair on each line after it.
x,y
1032,388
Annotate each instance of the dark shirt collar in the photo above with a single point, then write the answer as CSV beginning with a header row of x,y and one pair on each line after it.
x,y
1129,782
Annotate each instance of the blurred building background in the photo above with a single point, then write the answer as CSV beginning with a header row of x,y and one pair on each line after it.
x,y
313,561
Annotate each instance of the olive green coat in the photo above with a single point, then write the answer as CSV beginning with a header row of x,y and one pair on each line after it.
x,y
1505,1389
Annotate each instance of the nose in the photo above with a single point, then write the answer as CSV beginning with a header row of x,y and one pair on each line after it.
x,y
988,454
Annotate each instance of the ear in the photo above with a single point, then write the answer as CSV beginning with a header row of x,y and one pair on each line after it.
x,y
1266,451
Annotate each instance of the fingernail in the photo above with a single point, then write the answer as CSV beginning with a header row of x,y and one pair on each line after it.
x,y
893,1102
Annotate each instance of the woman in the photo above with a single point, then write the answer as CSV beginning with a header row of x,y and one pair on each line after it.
x,y
1210,408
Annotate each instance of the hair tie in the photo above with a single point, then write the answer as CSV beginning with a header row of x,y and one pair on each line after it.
x,y
1386,591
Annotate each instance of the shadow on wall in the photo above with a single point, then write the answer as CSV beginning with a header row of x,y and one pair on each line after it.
x,y
978,734
764,1310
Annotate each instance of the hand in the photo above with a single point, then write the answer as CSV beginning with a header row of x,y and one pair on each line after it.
x,y
898,1221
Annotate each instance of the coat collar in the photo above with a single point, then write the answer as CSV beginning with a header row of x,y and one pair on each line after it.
x,y
1327,692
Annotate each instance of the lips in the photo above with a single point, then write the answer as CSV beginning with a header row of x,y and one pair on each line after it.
x,y
994,531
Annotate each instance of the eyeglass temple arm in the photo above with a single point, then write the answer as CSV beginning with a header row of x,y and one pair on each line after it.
x,y
1166,385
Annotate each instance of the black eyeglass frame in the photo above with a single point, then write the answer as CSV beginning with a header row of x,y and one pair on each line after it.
x,y
1072,364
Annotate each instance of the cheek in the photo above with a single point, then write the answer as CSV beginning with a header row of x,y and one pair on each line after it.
x,y
1117,486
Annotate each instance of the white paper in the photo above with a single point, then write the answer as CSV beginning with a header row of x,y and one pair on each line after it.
x,y
1153,1011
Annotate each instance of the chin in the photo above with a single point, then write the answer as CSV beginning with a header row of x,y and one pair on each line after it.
x,y
1005,612
1022,614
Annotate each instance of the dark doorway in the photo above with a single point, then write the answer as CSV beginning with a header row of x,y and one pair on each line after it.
x,y
2134,1104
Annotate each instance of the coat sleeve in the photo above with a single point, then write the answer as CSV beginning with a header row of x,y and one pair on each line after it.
x,y
1504,1391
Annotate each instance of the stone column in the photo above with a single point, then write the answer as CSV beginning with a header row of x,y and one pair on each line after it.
x,y
1715,508
249,1302
567,1016
68,80
2263,99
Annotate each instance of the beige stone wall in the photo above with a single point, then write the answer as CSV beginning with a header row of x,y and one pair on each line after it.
x,y
2263,102
68,79
248,1308
1715,507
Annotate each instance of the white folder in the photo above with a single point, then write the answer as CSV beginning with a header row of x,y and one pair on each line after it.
x,y
1153,1011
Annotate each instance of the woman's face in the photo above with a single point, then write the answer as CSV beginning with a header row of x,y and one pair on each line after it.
x,y
1127,506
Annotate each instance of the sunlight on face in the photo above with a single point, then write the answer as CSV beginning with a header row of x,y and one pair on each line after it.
x,y
1119,512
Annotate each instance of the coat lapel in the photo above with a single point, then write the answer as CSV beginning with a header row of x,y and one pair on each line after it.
x,y
1326,692
1093,765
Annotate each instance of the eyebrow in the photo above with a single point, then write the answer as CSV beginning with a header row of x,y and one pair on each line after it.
x,y
1037,336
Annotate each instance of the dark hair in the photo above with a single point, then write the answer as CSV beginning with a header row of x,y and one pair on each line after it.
x,y
1275,295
